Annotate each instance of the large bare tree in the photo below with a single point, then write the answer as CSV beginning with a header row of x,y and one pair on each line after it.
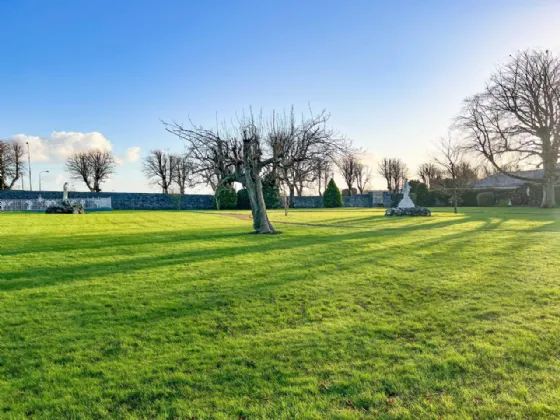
x,y
183,172
458,174
243,151
384,169
296,177
323,172
394,171
399,171
363,176
428,172
12,163
309,164
348,166
516,119
160,168
93,167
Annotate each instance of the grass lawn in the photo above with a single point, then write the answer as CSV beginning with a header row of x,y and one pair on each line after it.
x,y
346,315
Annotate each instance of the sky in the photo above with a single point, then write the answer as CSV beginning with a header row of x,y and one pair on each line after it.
x,y
80,74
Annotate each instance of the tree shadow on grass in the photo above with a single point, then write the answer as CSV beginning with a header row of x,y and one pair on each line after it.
x,y
43,276
74,242
371,342
190,301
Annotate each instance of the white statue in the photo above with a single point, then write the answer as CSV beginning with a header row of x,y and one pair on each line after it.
x,y
406,202
65,192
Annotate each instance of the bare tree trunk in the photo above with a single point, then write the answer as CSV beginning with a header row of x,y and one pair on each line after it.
x,y
253,184
292,195
261,224
549,199
549,196
285,203
455,200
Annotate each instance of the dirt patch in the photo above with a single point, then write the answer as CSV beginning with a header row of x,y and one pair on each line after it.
x,y
235,216
249,218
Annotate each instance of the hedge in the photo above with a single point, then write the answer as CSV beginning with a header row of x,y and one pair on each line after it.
x,y
226,196
243,202
486,199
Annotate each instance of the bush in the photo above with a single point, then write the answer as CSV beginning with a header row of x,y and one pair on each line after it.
x,y
423,197
468,198
65,208
226,196
519,196
271,192
414,211
396,199
438,198
332,196
413,184
243,202
486,199
503,202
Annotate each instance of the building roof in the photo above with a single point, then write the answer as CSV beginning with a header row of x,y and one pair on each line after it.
x,y
503,181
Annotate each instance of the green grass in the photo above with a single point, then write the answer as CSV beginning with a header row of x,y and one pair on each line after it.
x,y
346,315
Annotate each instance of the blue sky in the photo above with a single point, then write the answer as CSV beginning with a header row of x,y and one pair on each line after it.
x,y
392,73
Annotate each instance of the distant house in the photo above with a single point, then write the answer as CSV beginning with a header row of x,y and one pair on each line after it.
x,y
505,182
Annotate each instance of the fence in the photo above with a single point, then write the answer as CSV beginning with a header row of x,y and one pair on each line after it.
x,y
40,205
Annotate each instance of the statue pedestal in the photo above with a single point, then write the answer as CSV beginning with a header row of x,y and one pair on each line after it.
x,y
406,203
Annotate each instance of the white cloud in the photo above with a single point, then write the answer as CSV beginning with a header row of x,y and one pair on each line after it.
x,y
61,144
133,154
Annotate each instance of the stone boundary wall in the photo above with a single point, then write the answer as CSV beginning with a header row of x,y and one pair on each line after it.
x,y
156,201
371,199
123,201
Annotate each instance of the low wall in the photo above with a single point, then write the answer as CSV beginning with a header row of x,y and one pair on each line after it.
x,y
308,202
155,201
123,201
371,199
360,200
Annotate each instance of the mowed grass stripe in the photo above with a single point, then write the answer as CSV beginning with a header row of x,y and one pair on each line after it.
x,y
348,314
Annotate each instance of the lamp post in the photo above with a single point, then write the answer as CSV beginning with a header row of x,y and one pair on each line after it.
x,y
40,173
29,164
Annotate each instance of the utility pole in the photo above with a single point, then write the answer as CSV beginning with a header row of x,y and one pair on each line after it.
x,y
41,173
29,163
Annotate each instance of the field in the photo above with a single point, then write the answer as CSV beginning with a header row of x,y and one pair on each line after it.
x,y
346,315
